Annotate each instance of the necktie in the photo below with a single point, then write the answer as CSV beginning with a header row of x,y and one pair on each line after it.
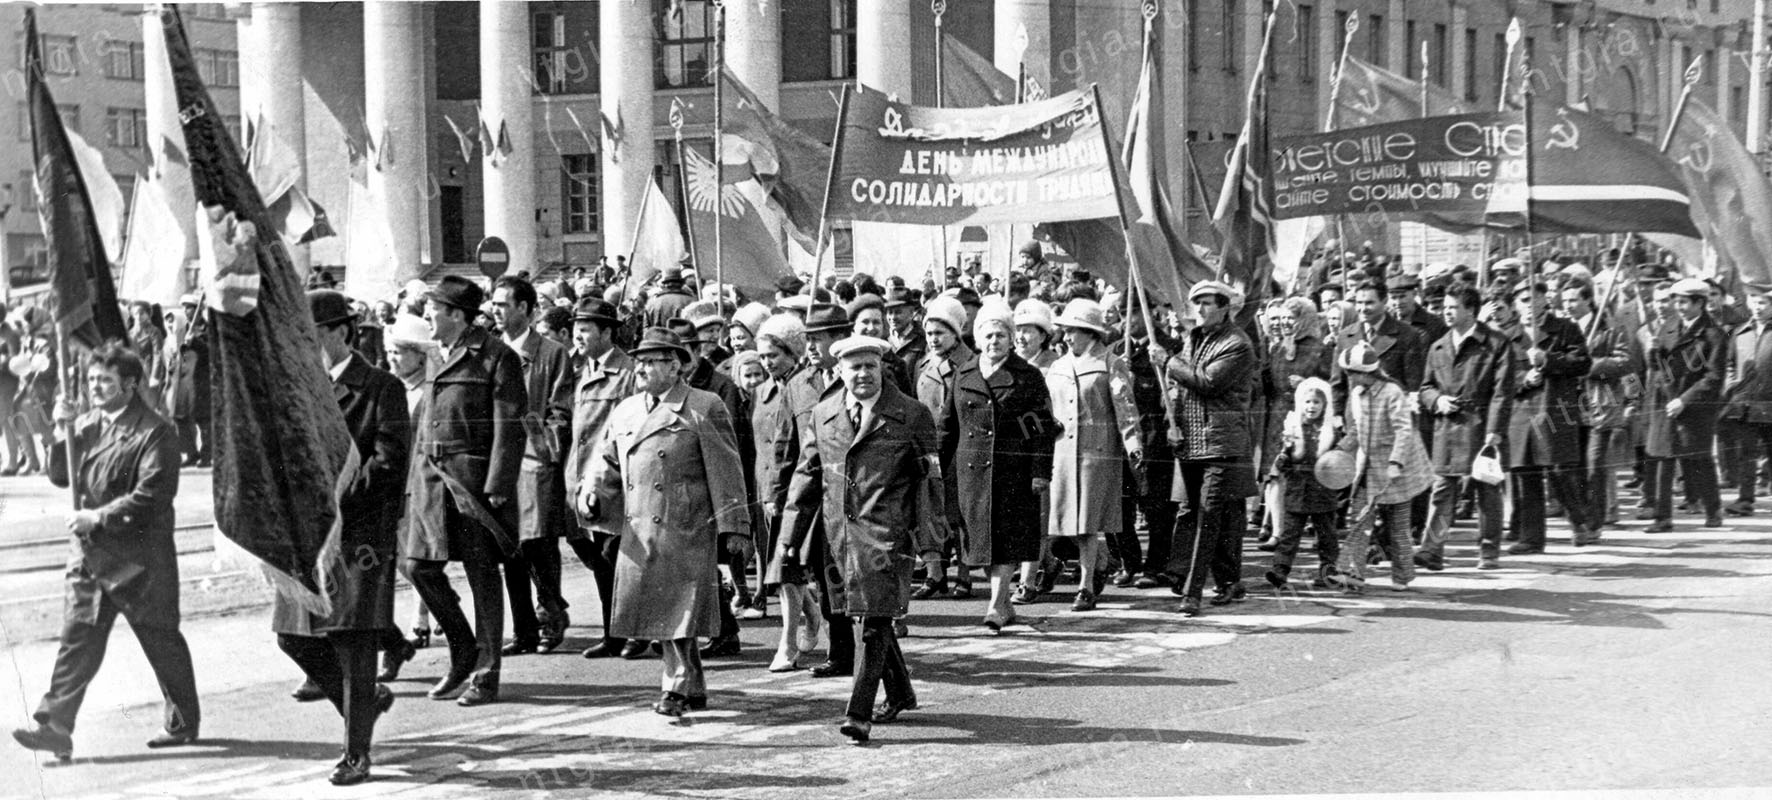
x,y
855,415
1368,332
651,402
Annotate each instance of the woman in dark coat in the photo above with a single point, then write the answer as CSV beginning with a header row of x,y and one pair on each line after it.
x,y
1295,352
781,346
997,431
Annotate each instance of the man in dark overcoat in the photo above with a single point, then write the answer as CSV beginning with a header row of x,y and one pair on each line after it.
x,y
1613,387
337,651
542,513
124,561
1468,393
606,378
1543,439
463,492
880,514
1688,362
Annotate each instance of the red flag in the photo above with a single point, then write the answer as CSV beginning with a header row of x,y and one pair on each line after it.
x,y
1587,177
752,242
82,298
1168,265
1248,228
1727,188
1373,95
791,165
280,440
969,80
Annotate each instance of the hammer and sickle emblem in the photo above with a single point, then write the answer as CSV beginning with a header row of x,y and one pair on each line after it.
x,y
1565,134
1697,157
1366,101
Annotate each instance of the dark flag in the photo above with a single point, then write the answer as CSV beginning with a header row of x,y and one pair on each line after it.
x,y
1373,95
82,298
1588,178
969,80
791,164
1726,187
280,439
1248,229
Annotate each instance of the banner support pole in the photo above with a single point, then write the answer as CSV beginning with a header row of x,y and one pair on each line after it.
x,y
824,210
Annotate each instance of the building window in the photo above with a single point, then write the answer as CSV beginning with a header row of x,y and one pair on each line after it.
x,y
843,38
1470,63
1193,36
1307,43
1412,62
126,127
1375,45
1500,71
70,119
27,191
686,44
1737,105
1441,75
218,67
1341,18
61,54
1231,36
578,193
123,60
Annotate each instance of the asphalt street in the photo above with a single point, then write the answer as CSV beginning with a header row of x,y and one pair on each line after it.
x,y
1635,666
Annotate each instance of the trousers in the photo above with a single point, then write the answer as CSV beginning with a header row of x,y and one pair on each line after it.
x,y
598,552
537,562
1443,502
472,648
1568,483
1208,537
682,668
1322,524
342,664
882,662
82,652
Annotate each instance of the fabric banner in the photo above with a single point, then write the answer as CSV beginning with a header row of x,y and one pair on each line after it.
x,y
976,166
1727,188
1471,164
1587,177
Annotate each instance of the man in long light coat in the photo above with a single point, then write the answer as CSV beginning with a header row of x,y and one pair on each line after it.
x,y
670,472
1091,391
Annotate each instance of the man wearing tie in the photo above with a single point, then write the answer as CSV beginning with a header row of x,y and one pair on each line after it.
x,y
669,475
605,379
542,515
881,511
124,563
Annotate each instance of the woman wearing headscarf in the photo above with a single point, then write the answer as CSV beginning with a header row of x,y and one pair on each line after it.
x,y
1295,352
997,430
781,345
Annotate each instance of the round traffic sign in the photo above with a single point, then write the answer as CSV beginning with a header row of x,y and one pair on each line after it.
x,y
493,256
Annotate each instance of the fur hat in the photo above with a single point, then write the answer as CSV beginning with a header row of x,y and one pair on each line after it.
x,y
947,311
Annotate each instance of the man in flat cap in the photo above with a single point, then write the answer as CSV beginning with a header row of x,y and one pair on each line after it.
x,y
887,508
1688,363
463,500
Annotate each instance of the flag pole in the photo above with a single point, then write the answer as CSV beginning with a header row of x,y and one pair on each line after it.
x,y
1424,78
719,154
1347,45
1507,64
940,8
683,182
634,241
1241,150
1694,73
824,210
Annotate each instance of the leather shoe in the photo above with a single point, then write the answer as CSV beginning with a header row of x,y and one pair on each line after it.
x,y
1660,526
1151,580
1524,549
393,660
670,704
1190,607
1715,522
43,737
889,711
351,770
1024,595
1739,509
1488,563
856,729
962,591
833,669
1430,561
606,648
447,687
553,631
170,739
1085,601
930,589
1230,593
721,646
634,649
518,647
1123,579
478,695
308,692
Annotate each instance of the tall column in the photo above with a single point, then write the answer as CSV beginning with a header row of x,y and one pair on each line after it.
x,y
509,178
1396,47
753,47
883,46
1026,22
626,94
394,110
272,88
1328,44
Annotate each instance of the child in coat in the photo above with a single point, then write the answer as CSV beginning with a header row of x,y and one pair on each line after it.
x,y
1309,430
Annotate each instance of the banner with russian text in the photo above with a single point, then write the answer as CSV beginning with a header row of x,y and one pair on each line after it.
x,y
1045,161
1462,164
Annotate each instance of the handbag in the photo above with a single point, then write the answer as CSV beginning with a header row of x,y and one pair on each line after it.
x,y
1486,467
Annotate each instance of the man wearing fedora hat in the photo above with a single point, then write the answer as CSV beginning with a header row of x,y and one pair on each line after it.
x,y
463,506
670,300
337,651
606,378
668,473
903,311
825,325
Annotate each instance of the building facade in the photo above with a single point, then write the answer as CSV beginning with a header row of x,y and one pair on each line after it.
x,y
540,122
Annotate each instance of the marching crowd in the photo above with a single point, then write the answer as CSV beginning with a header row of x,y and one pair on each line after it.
x,y
848,448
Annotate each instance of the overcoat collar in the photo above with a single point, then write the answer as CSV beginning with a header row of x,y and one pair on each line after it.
x,y
668,411
472,340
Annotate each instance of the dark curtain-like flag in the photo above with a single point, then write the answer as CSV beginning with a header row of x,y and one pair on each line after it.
x,y
969,80
1373,95
280,439
82,298
1731,198
1247,228
1167,265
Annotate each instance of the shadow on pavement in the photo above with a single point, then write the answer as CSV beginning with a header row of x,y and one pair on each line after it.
x,y
1036,731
